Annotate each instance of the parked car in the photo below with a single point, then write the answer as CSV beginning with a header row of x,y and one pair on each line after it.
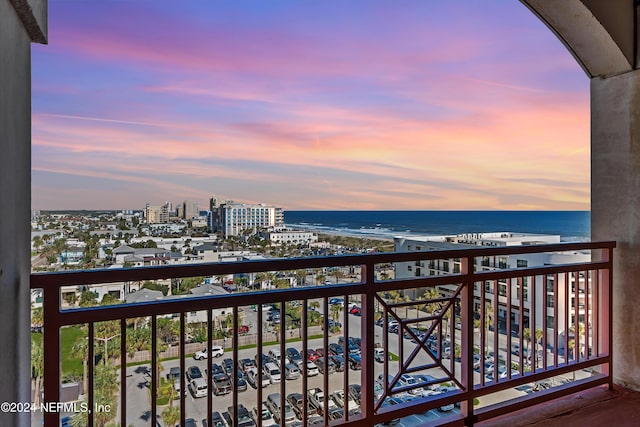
x,y
216,351
263,413
274,356
221,384
335,349
240,383
355,392
174,377
338,362
321,368
244,418
379,355
216,369
407,380
295,400
312,355
291,371
198,387
252,378
193,372
190,422
294,356
355,362
333,324
272,372
312,369
274,404
429,381
246,364
227,365
216,420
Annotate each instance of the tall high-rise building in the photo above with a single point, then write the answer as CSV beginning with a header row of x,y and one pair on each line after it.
x,y
157,214
190,209
213,216
236,218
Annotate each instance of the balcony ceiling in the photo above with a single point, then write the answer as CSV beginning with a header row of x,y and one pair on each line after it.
x,y
599,34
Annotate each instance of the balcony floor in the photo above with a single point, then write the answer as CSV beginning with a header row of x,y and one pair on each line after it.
x,y
594,407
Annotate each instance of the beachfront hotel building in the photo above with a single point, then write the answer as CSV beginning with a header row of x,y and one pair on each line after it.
x,y
501,239
295,237
236,218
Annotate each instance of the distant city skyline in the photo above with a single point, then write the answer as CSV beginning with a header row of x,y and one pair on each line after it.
x,y
370,105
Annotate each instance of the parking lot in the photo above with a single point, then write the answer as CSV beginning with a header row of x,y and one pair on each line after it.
x,y
138,401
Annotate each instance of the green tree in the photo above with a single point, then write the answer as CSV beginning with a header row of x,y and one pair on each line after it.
x,y
166,390
37,242
105,385
580,333
488,319
80,349
171,415
37,369
336,309
429,295
37,317
301,277
88,299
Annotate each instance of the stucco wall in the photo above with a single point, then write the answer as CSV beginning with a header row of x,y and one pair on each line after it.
x,y
15,195
615,208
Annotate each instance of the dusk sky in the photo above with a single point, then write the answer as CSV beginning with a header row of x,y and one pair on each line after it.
x,y
332,104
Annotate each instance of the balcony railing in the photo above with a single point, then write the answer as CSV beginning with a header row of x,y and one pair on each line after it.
x,y
451,357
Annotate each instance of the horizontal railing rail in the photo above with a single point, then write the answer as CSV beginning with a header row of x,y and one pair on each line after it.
x,y
444,334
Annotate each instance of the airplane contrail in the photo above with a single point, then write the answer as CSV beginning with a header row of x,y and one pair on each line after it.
x,y
97,119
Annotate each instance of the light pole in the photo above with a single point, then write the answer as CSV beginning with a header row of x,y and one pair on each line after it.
x,y
105,344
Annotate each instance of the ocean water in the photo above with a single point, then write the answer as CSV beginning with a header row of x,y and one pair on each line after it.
x,y
570,225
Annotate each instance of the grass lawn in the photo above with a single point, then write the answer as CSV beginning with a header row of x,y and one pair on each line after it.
x,y
70,366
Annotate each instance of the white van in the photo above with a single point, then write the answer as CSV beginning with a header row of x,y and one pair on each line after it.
x,y
198,387
272,372
274,356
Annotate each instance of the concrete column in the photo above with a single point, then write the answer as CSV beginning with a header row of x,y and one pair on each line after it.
x,y
15,192
615,208
18,28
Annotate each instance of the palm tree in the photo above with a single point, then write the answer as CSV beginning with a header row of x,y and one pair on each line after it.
x,y
526,336
336,309
314,305
338,274
429,295
80,348
301,277
488,319
105,385
37,242
171,415
37,369
572,332
168,391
